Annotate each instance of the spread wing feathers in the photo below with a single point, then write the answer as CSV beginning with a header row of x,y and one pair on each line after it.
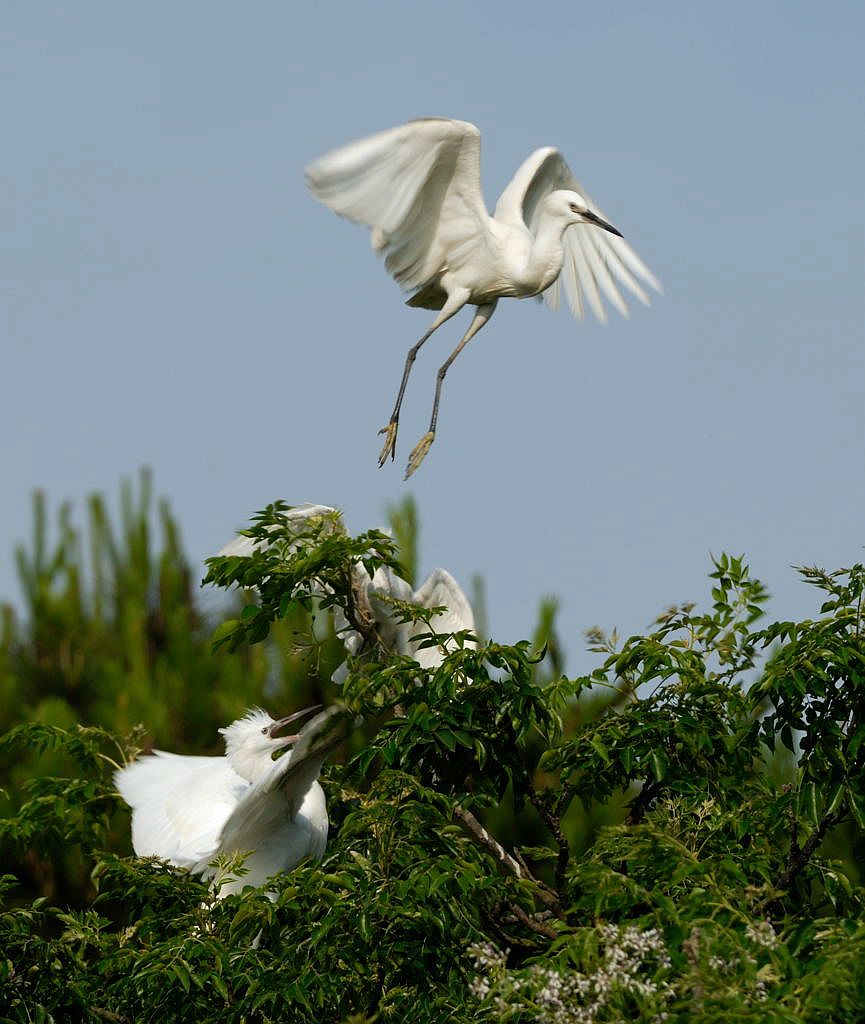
x,y
417,186
287,783
179,804
595,261
440,589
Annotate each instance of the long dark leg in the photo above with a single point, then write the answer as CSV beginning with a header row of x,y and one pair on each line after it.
x,y
423,446
454,303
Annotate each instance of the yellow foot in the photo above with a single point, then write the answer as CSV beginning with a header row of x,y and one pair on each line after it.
x,y
389,442
418,453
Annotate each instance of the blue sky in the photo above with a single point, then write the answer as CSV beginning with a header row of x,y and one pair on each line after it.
x,y
170,295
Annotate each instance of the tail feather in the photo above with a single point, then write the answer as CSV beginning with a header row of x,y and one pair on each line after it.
x,y
430,296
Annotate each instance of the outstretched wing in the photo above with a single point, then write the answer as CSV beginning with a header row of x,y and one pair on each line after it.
x,y
417,186
264,806
296,518
595,261
440,589
179,804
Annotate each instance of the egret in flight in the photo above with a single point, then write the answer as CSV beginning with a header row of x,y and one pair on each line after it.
x,y
418,187
190,810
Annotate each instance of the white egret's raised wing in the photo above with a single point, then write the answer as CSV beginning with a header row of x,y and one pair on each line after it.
x,y
179,804
263,806
297,518
441,589
417,186
595,260
384,586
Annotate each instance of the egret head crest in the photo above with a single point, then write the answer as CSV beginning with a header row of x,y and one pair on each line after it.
x,y
251,741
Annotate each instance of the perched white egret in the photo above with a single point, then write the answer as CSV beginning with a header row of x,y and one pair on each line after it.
x,y
298,519
418,187
373,596
190,810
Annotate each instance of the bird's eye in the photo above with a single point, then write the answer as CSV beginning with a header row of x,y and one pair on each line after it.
x,y
264,731
573,207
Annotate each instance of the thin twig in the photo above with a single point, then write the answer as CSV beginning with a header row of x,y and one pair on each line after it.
x,y
554,825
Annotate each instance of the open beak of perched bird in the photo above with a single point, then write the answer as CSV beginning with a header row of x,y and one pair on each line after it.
x,y
593,218
284,741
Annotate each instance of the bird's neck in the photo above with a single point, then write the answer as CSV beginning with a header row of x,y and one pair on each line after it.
x,y
546,254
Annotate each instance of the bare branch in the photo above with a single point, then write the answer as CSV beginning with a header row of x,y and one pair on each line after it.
x,y
508,862
477,832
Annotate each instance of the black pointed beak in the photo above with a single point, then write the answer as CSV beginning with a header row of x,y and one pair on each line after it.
x,y
292,718
593,218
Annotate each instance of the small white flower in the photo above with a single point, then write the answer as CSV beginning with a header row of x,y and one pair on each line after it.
x,y
761,933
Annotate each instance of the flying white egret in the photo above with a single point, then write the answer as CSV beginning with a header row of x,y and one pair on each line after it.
x,y
418,187
190,810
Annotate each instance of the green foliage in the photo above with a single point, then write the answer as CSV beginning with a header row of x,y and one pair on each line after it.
x,y
403,518
113,633
649,842
816,685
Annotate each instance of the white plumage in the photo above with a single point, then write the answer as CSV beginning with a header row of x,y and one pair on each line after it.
x,y
418,188
374,595
191,810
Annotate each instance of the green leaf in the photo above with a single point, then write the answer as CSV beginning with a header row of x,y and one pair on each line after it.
x,y
658,761
539,852
600,749
856,803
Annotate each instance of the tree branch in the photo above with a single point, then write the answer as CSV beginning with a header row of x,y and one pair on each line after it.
x,y
642,801
109,1015
532,923
554,825
477,832
506,861
565,797
798,857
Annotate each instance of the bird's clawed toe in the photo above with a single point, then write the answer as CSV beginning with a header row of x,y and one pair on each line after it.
x,y
389,447
418,453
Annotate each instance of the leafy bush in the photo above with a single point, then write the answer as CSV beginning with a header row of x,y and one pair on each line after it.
x,y
674,837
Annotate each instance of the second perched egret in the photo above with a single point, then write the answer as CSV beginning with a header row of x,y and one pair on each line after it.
x,y
190,810
373,596
418,187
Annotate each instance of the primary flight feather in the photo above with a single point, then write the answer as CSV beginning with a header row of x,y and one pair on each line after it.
x,y
418,188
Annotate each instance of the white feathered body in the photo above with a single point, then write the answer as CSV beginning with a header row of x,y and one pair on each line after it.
x,y
418,188
190,810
